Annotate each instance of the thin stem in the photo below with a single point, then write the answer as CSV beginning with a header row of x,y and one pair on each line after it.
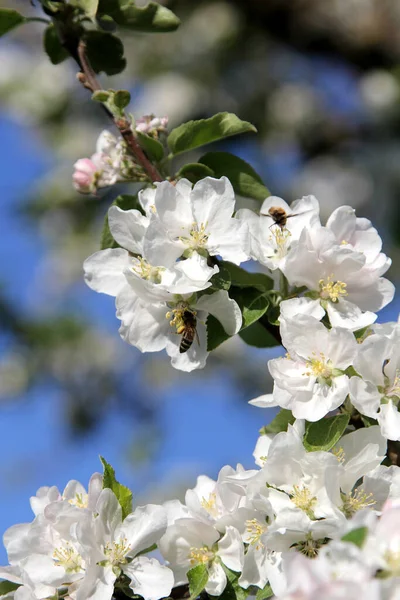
x,y
283,285
90,81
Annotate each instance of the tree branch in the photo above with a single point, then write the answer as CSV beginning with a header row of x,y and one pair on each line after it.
x,y
89,80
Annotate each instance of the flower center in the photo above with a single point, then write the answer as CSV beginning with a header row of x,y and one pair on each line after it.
x,y
80,500
302,498
198,237
201,556
67,557
356,501
332,290
141,267
340,454
178,316
394,388
392,558
310,547
319,367
255,530
116,552
281,239
210,505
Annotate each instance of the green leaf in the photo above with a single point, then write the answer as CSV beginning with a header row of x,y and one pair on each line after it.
x,y
244,179
368,421
89,7
105,52
153,148
123,493
253,305
244,279
283,419
193,134
357,536
233,591
124,202
324,434
198,577
194,172
101,96
7,586
10,18
52,45
151,18
258,336
121,99
266,592
221,280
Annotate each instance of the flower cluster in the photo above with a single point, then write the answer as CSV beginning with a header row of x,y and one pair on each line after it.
x,y
112,163
164,260
307,524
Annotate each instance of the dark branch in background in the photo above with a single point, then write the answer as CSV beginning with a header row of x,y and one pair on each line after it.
x,y
89,80
71,38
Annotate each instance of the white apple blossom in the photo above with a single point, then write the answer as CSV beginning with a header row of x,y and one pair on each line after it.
x,y
113,546
151,124
376,392
310,380
270,242
189,542
339,277
198,219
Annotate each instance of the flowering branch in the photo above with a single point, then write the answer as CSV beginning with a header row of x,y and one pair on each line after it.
x,y
89,80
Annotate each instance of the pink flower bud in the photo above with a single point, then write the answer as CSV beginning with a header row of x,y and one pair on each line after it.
x,y
84,177
150,124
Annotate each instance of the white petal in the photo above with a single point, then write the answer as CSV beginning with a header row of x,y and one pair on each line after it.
x,y
110,512
148,578
389,421
144,527
128,228
265,401
213,201
222,308
216,580
98,584
230,240
347,315
230,549
159,248
104,270
174,209
364,396
291,309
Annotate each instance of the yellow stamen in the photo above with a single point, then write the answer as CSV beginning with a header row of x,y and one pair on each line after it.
x,y
68,558
80,500
302,498
255,529
281,238
319,366
116,552
340,454
332,290
201,556
210,505
356,501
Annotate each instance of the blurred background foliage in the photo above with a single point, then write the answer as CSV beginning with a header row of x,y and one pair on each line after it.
x,y
320,79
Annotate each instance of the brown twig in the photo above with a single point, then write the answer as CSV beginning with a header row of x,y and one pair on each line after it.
x,y
89,80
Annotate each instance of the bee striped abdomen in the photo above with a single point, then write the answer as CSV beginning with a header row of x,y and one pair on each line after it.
x,y
186,341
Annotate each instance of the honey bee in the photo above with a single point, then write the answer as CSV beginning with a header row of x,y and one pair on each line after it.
x,y
279,216
188,330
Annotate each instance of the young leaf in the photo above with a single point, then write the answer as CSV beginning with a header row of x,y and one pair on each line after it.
x,y
194,172
244,179
252,303
357,536
89,7
279,423
153,148
266,592
216,334
198,577
52,45
105,52
123,494
121,99
193,134
10,18
124,202
258,336
233,591
244,279
151,18
324,434
7,586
